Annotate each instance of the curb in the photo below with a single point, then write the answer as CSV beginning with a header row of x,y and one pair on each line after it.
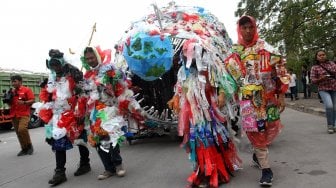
x,y
309,110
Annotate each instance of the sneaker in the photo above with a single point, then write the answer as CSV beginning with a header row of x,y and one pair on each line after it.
x,y
30,150
83,169
105,175
255,161
120,170
22,152
331,130
266,177
203,184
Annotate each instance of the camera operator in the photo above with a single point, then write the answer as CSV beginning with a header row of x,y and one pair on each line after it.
x,y
23,98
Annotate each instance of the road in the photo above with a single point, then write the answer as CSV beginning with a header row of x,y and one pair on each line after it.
x,y
303,156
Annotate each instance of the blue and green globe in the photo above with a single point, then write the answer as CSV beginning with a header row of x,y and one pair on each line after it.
x,y
149,57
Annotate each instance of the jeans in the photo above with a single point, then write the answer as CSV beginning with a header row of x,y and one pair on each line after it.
x,y
110,159
306,91
329,101
61,157
294,94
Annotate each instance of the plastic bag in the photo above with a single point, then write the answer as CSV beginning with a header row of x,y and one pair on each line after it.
x,y
249,122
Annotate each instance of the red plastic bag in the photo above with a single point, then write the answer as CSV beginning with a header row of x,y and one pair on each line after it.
x,y
45,115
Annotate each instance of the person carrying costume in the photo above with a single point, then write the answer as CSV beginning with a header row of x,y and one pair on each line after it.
x,y
263,81
63,110
109,102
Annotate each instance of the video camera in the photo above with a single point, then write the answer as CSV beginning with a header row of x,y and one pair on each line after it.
x,y
7,96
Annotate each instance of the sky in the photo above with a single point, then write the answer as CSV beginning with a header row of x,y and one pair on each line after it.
x,y
30,28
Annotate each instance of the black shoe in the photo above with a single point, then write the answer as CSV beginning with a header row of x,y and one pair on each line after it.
x,y
255,161
58,178
22,153
266,178
83,169
30,150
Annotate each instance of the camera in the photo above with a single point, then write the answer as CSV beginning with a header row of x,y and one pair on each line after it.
x,y
8,96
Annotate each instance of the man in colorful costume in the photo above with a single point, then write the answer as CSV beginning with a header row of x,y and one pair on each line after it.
x,y
109,102
261,76
63,110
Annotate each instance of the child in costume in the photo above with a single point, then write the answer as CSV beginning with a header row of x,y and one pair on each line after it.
x,y
109,101
63,111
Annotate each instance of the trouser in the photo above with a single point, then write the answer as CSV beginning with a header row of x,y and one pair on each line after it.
x,y
261,140
329,101
61,157
110,159
21,128
306,91
293,91
262,156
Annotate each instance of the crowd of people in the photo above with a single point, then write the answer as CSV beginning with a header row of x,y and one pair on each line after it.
x,y
92,108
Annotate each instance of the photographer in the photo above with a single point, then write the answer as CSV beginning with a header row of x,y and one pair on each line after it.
x,y
23,98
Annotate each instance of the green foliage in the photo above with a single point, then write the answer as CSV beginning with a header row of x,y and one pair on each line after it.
x,y
297,27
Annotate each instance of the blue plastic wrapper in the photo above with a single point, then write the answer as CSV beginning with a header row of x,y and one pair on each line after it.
x,y
62,144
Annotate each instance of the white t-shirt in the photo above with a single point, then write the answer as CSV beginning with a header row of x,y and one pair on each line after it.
x,y
292,82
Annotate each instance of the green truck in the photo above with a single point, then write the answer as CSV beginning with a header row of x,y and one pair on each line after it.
x,y
29,79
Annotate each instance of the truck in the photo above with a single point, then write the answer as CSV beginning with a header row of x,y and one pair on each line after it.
x,y
29,79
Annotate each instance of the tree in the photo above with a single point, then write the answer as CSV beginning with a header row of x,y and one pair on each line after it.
x,y
297,27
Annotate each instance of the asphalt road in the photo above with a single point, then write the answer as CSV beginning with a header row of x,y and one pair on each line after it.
x,y
303,156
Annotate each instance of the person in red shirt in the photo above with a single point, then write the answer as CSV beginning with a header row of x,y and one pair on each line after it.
x,y
23,98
